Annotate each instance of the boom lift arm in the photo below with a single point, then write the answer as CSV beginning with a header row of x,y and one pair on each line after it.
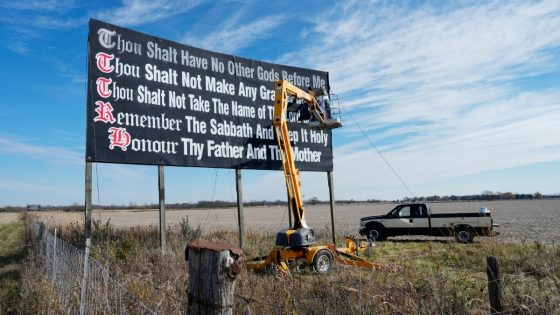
x,y
294,245
299,234
283,91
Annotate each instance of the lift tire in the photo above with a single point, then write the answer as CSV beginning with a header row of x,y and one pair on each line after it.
x,y
322,262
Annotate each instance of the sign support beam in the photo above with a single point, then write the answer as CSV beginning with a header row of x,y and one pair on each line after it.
x,y
240,217
87,221
162,224
331,202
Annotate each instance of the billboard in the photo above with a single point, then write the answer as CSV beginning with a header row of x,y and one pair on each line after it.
x,y
154,101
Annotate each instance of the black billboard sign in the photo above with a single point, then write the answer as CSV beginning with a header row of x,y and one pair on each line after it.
x,y
153,101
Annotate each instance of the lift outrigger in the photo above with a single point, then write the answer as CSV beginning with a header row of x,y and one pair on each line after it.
x,y
295,245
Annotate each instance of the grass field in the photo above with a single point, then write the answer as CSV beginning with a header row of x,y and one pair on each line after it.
x,y
435,275
11,255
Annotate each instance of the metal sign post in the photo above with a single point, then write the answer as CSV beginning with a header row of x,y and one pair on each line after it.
x,y
240,218
331,197
162,225
87,221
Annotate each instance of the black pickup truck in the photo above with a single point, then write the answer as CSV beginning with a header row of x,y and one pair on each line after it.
x,y
417,219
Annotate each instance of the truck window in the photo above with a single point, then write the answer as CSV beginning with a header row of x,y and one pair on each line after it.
x,y
419,211
404,212
423,211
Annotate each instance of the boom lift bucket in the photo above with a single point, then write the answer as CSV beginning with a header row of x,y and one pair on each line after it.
x,y
323,117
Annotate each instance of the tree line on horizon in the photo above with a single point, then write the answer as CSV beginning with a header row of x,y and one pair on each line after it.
x,y
483,196
206,204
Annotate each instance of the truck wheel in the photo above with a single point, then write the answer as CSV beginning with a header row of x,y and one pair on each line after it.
x,y
375,234
322,262
464,235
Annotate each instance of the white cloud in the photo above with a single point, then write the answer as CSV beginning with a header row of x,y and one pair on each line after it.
x,y
230,38
10,145
27,21
467,45
39,5
440,90
137,12
27,17
18,46
114,173
112,183
49,22
124,174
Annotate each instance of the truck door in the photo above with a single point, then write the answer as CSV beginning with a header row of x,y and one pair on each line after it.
x,y
401,221
420,220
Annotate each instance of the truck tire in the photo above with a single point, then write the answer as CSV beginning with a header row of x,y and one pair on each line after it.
x,y
322,262
375,234
464,235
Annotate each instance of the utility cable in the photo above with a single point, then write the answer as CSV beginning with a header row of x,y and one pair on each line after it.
x,y
211,201
378,151
230,185
284,216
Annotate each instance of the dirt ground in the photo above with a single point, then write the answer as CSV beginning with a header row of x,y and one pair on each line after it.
x,y
520,220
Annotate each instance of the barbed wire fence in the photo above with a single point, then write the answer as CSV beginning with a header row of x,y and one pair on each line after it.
x,y
82,284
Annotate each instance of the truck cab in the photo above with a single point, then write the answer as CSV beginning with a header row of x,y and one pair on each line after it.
x,y
412,219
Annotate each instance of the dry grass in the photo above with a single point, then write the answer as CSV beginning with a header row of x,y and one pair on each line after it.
x,y
435,277
11,253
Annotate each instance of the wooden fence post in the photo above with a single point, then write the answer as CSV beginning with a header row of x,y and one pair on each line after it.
x,y
494,285
213,268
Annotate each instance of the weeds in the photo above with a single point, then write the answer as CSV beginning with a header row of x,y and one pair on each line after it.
x,y
12,252
188,233
435,277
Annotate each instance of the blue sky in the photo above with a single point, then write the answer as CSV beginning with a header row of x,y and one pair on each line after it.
x,y
460,97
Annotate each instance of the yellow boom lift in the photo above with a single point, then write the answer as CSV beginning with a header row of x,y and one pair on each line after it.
x,y
295,245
